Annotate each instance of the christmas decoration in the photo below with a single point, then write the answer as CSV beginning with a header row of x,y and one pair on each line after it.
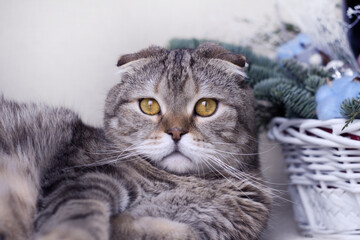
x,y
330,96
302,49
322,156
293,48
350,108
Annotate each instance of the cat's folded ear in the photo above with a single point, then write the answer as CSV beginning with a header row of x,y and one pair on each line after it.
x,y
152,51
213,50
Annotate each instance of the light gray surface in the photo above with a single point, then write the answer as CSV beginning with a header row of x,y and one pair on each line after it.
x,y
64,53
281,224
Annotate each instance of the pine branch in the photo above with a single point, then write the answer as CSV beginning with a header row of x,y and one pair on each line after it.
x,y
313,82
263,88
296,99
257,73
246,51
255,59
350,109
319,71
290,114
184,43
295,70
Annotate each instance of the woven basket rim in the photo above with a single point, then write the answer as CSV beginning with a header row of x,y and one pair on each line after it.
x,y
315,132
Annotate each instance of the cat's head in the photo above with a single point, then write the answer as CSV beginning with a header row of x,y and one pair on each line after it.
x,y
186,111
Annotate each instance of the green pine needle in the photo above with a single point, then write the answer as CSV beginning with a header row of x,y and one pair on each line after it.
x,y
350,109
296,99
295,70
262,90
257,73
313,82
318,71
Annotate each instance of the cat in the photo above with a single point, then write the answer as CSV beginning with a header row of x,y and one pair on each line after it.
x,y
176,158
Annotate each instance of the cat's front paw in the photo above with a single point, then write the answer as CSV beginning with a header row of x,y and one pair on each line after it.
x,y
65,233
150,228
164,229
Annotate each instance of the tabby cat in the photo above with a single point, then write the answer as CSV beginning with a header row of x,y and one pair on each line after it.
x,y
176,158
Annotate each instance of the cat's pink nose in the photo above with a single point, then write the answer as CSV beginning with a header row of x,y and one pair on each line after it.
x,y
176,133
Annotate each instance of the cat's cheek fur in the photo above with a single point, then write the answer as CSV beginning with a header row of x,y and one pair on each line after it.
x,y
157,147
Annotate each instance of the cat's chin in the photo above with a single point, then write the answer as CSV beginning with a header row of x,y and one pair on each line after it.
x,y
177,162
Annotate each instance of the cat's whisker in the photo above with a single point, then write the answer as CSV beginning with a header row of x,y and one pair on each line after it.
x,y
246,154
230,169
222,143
104,161
208,163
223,166
220,155
252,138
237,177
113,150
223,155
275,193
272,192
197,168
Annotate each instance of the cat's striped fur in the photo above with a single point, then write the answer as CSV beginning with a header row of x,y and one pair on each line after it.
x,y
90,183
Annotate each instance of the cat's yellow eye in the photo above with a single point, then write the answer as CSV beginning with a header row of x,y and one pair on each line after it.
x,y
149,106
205,107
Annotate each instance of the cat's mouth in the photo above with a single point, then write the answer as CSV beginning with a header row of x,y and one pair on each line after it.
x,y
177,162
176,156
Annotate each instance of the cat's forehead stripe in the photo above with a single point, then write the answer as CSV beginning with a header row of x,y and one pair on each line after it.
x,y
178,63
177,72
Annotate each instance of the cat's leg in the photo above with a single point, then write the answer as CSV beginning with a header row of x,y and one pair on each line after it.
x,y
235,210
18,194
77,220
80,208
125,227
30,135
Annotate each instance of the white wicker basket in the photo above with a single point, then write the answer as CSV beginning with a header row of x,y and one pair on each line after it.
x,y
323,163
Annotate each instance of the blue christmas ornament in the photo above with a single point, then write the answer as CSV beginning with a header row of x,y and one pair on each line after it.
x,y
294,47
301,49
330,96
